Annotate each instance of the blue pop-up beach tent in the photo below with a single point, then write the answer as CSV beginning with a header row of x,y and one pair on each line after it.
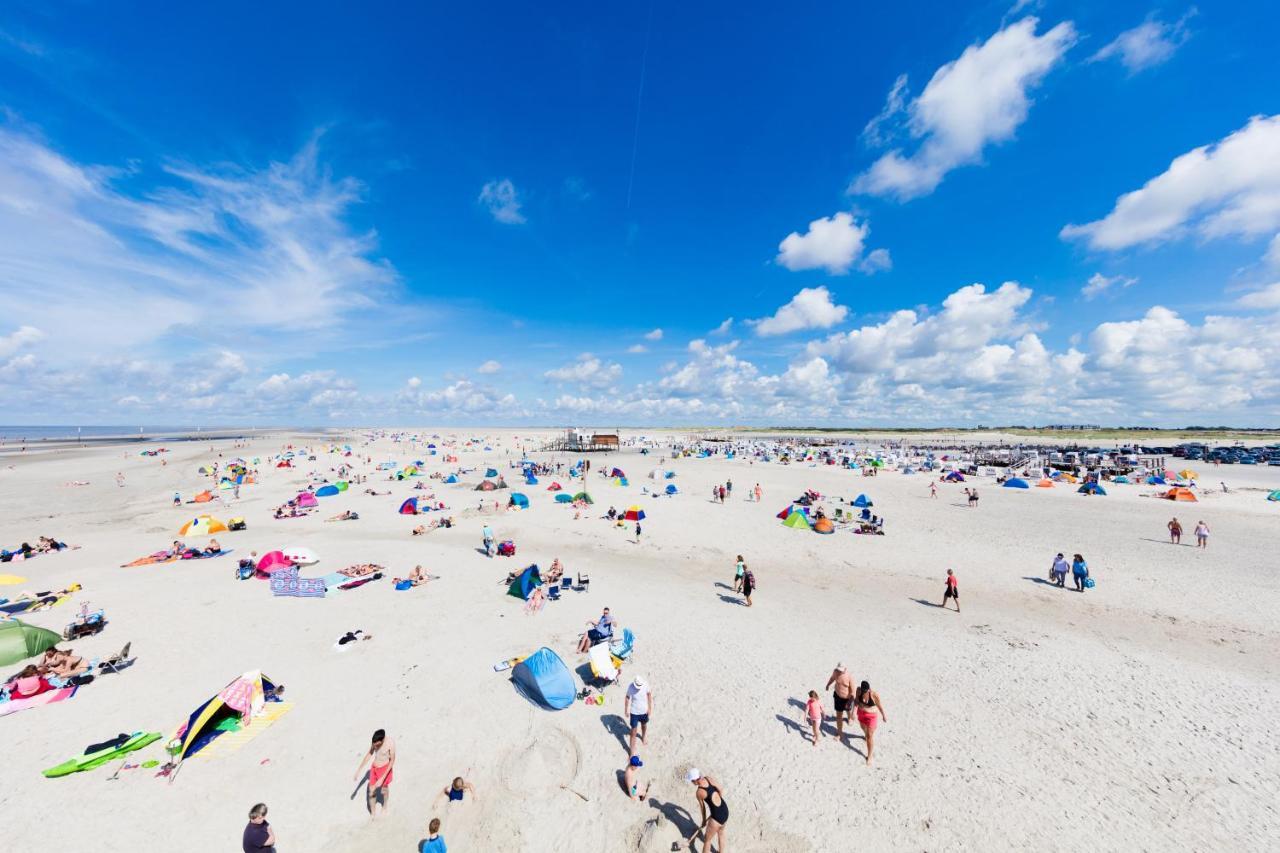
x,y
1016,483
544,680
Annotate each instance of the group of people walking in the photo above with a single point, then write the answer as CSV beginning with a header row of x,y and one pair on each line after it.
x,y
858,702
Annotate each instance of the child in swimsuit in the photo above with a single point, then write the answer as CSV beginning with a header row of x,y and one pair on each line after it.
x,y
631,782
814,711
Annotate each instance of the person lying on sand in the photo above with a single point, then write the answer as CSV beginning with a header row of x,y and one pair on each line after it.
x,y
420,530
537,599
417,577
361,570
344,516
212,548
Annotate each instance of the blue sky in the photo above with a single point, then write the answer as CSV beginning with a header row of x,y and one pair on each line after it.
x,y
644,214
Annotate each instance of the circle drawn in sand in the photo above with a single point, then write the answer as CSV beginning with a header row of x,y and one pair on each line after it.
x,y
541,766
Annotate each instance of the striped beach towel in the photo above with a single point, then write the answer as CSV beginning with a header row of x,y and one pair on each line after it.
x,y
287,582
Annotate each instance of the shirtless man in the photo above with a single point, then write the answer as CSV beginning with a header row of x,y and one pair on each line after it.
x,y
843,696
382,751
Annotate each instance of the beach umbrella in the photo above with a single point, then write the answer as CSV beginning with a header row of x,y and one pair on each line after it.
x,y
634,513
204,525
301,556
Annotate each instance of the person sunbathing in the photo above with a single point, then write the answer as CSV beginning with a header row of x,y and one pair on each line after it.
x,y
555,572
360,570
212,548
344,516
420,529
417,577
537,599
28,682
178,548
65,664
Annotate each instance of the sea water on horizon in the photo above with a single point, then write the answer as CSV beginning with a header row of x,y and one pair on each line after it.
x,y
10,434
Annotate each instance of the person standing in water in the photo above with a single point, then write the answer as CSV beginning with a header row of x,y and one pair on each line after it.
x,y
381,759
870,712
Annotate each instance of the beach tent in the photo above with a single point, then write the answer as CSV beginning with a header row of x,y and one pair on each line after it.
x,y
409,507
1046,483
908,470
671,489
203,498
543,679
634,513
1016,483
954,477
531,480
485,486
203,525
326,491
273,561
862,501
786,511
452,478
797,521
306,499
1274,496
584,497
285,464
520,499
1155,481
1188,474
619,481
671,475
1091,488
233,707
618,472
824,525
554,487
525,583
19,641
491,472
564,498
1121,479
1180,494
341,485
204,469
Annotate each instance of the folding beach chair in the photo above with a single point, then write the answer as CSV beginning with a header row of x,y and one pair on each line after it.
x,y
583,582
118,662
621,649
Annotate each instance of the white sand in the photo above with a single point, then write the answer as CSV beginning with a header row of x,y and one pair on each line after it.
x,y
1138,716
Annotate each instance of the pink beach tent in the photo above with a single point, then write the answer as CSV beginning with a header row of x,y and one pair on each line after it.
x,y
306,499
273,561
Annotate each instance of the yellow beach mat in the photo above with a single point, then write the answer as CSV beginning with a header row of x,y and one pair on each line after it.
x,y
227,743
10,580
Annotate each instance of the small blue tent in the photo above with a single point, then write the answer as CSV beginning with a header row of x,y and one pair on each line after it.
x,y
671,489
531,480
1091,488
544,680
1155,481
491,472
564,498
326,491
452,478
520,500
863,501
525,583
1016,483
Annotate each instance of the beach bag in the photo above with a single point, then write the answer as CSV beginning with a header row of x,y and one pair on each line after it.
x,y
1088,583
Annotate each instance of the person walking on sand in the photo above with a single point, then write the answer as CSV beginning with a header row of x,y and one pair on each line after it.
x,y
1175,531
714,810
259,837
842,696
748,584
637,533
1079,571
434,842
738,571
973,499
381,759
486,533
1058,571
952,591
631,781
933,489
759,493
814,711
1202,534
636,707
867,704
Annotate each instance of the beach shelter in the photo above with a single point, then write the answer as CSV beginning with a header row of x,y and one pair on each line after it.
x,y
671,489
202,525
584,497
634,513
543,679
485,486
341,485
285,464
1091,488
863,501
1121,479
1274,496
1045,483
409,507
554,487
19,641
1188,474
786,511
797,521
273,561
1155,481
824,525
1016,483
564,498
491,472
326,491
306,499
618,472
203,498
525,583
519,499
452,478
531,480
619,481
1180,494
204,469
233,707
954,477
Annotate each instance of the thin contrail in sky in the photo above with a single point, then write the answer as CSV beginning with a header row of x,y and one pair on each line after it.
x,y
635,139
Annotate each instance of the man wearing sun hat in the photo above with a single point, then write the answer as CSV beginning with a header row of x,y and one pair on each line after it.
x,y
637,707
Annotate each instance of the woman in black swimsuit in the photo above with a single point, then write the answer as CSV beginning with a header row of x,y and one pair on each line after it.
x,y
715,812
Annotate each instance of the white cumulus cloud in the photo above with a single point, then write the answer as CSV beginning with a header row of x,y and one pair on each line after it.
x,y
811,308
970,103
655,335
502,201
588,371
834,243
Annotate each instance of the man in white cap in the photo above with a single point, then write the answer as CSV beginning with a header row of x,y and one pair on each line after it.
x,y
637,707
715,812
843,696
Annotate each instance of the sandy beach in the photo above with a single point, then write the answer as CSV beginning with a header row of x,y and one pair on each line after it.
x,y
1136,716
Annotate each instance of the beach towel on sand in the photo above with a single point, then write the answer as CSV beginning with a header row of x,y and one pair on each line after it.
x,y
13,706
287,582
